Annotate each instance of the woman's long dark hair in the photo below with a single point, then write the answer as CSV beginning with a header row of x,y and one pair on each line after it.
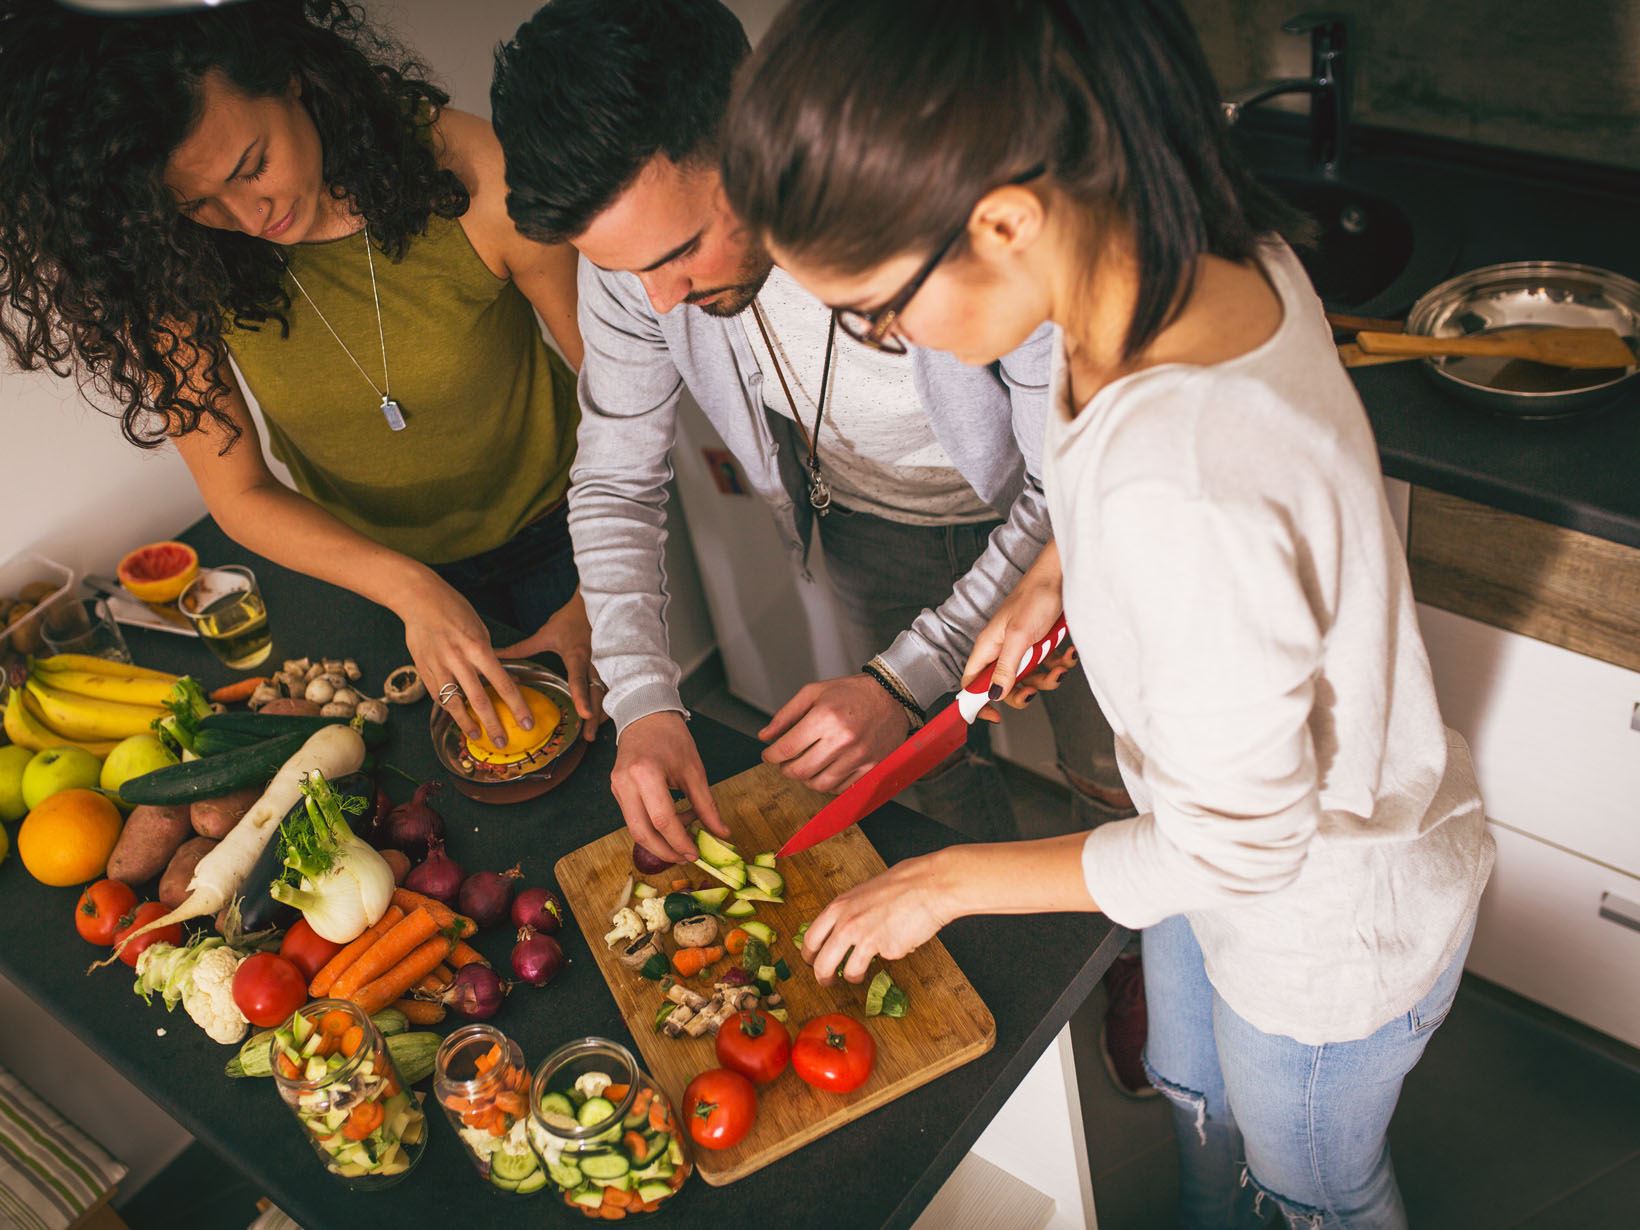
x,y
860,132
100,276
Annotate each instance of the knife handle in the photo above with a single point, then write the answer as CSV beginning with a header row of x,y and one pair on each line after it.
x,y
977,694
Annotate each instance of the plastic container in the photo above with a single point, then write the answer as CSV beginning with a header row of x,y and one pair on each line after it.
x,y
480,1080
29,568
606,1134
366,1126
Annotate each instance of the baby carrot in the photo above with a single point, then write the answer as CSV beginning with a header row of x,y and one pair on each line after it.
x,y
326,977
735,941
420,1011
413,929
374,996
690,961
465,954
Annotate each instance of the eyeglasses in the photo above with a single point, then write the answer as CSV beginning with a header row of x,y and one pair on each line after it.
x,y
876,327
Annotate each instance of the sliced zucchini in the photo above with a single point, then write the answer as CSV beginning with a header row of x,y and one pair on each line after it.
x,y
565,1173
589,1197
642,892
761,930
757,894
768,879
732,874
714,850
654,1191
514,1166
710,899
739,909
766,859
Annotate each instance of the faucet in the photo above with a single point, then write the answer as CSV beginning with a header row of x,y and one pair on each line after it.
x,y
1328,86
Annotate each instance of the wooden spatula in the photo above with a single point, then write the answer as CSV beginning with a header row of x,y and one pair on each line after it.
x,y
1576,348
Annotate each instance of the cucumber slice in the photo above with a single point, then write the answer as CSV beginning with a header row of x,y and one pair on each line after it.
x,y
757,894
604,1166
766,859
715,851
506,1185
739,909
658,1143
565,1173
674,1153
660,1168
768,879
710,899
761,930
732,874
654,1191
642,892
301,1029
588,1197
557,1104
594,1110
533,1183
514,1166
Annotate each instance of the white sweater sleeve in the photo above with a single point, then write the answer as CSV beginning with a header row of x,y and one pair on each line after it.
x,y
1228,649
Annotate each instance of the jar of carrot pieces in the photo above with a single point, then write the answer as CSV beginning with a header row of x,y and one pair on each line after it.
x,y
480,1080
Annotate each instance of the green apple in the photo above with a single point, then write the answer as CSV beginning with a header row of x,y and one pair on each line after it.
x,y
57,769
13,760
132,758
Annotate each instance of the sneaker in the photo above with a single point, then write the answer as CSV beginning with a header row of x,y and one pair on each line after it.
x,y
1126,1025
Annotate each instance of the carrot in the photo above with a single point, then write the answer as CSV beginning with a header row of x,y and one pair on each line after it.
x,y
690,961
640,1104
488,1059
326,977
409,932
363,1119
437,981
374,996
232,693
420,1011
464,954
352,1040
658,1117
679,885
615,1092
735,941
512,1103
442,914
637,1145
335,1022
288,1066
616,1197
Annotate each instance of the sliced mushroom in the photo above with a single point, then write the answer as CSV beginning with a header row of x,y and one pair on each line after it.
x,y
404,686
350,668
296,666
696,932
686,998
636,952
264,693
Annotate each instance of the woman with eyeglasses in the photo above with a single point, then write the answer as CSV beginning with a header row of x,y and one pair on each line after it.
x,y
274,187
1310,847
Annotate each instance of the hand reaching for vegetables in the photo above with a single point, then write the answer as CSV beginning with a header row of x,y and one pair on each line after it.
x,y
569,635
657,755
450,644
1024,618
887,916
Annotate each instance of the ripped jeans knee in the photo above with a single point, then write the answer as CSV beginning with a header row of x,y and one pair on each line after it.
x,y
1299,1216
1187,1099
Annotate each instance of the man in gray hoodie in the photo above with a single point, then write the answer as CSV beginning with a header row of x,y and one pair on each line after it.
x,y
922,471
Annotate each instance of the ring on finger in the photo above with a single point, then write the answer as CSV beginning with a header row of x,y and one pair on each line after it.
x,y
448,693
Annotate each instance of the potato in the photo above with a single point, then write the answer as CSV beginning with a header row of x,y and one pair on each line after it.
x,y
173,885
150,837
290,706
215,818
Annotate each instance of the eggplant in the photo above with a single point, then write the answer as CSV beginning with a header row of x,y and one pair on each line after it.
x,y
257,908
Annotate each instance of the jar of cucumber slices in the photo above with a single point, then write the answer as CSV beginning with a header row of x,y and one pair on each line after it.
x,y
335,1073
480,1080
608,1137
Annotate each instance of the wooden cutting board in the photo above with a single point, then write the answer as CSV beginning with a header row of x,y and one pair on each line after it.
x,y
947,1026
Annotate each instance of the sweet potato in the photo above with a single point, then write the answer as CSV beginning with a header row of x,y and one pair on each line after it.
x,y
291,706
215,818
173,885
150,837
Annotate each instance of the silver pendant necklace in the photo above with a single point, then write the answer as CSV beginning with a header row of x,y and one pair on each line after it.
x,y
819,488
391,410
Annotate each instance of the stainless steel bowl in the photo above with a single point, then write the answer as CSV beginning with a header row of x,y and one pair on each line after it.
x,y
1530,295
529,779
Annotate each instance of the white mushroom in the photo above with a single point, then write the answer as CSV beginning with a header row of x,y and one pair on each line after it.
x,y
350,668
404,686
320,691
335,709
264,693
346,696
372,710
296,666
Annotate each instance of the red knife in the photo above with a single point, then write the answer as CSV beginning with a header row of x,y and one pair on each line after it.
x,y
924,750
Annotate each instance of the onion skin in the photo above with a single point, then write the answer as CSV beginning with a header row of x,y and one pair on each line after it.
x,y
536,958
438,875
410,826
647,863
540,909
485,895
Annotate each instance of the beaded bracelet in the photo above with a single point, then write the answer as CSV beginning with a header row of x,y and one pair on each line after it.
x,y
887,680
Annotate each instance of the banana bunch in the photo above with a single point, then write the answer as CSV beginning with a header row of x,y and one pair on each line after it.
x,y
84,702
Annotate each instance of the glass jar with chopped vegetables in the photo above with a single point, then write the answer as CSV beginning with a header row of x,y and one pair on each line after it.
x,y
480,1080
608,1137
337,1076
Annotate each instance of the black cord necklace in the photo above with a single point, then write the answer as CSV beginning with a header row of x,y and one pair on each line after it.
x,y
819,490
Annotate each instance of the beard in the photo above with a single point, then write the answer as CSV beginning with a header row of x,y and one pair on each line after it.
x,y
737,296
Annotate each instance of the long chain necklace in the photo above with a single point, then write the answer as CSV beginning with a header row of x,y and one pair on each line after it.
x,y
819,489
391,410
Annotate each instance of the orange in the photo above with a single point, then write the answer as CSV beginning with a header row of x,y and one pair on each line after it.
x,y
521,744
67,839
160,571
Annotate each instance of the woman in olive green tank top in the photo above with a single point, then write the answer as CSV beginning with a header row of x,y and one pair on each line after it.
x,y
281,181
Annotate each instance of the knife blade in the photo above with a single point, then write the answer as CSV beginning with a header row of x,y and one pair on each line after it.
x,y
924,750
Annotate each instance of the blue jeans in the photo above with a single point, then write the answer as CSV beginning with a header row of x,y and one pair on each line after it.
x,y
523,582
1259,1117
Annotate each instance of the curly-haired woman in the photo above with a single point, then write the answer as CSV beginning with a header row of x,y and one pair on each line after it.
x,y
277,184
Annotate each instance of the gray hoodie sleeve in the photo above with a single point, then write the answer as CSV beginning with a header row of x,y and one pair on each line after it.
x,y
629,389
929,656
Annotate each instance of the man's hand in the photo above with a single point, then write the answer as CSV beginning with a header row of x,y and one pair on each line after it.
x,y
656,755
835,731
569,635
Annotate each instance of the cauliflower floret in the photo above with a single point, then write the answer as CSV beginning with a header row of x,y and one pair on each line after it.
x,y
653,912
592,1084
481,1142
209,997
627,926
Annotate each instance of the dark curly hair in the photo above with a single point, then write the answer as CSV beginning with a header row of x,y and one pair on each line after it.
x,y
101,278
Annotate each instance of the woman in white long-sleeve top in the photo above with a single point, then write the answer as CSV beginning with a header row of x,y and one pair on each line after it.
x,y
1310,847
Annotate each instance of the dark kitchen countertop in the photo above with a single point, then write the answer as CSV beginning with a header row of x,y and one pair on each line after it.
x,y
1501,207
881,1170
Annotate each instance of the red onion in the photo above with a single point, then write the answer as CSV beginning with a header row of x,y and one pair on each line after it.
x,y
438,875
536,958
410,826
399,861
648,863
539,908
373,827
485,895
476,993
736,977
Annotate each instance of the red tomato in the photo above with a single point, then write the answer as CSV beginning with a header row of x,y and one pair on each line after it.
x,y
755,1045
306,949
102,911
141,917
834,1052
268,988
720,1106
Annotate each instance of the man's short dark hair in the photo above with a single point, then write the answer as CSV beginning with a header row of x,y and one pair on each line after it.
x,y
588,91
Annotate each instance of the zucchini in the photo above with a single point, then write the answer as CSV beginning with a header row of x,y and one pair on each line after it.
x,y
642,892
655,968
739,909
594,1111
604,1166
768,879
757,894
258,726
710,899
557,1104
760,930
715,851
732,874
766,859
884,998
196,780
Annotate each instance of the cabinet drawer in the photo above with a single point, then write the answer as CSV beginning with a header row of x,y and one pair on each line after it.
x,y
1541,933
1551,733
